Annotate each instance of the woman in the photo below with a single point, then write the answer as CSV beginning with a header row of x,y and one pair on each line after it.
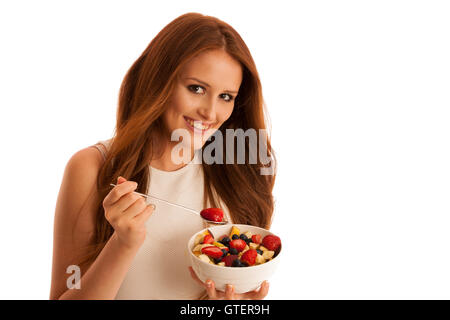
x,y
196,75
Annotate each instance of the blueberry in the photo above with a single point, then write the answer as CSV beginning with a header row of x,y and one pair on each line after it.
x,y
236,263
243,237
224,252
248,241
217,260
235,237
259,251
233,251
225,241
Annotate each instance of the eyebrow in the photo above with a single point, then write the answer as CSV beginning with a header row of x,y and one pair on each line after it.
x,y
204,83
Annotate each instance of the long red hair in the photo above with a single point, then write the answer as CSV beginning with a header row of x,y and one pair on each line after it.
x,y
143,98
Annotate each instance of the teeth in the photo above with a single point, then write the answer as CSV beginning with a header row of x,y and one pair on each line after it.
x,y
197,124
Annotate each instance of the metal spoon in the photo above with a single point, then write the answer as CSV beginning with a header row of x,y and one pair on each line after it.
x,y
176,205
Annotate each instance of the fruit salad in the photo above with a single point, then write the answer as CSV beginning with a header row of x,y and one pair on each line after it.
x,y
236,249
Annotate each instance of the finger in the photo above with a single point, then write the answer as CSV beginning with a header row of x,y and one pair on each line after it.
x,y
135,209
127,207
211,289
144,215
118,191
262,292
127,201
229,292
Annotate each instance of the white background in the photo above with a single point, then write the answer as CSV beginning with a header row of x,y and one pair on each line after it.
x,y
358,95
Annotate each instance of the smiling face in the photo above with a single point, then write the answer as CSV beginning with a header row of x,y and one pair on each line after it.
x,y
204,96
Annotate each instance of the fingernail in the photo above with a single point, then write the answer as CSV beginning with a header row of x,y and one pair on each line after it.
x,y
152,205
209,284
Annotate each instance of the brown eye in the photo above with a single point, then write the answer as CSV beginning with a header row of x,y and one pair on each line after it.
x,y
230,97
194,89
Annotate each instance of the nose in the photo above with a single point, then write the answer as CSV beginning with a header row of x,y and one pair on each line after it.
x,y
207,111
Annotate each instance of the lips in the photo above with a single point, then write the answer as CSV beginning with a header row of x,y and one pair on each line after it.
x,y
197,125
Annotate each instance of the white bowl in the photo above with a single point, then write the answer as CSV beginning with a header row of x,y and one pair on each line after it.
x,y
243,279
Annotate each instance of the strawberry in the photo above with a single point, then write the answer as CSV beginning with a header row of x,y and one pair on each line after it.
x,y
271,242
208,239
229,259
249,257
238,244
212,214
256,238
212,252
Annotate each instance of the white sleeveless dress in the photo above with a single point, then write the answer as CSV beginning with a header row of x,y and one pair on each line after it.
x,y
160,268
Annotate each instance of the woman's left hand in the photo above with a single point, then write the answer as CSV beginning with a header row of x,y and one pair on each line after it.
x,y
229,293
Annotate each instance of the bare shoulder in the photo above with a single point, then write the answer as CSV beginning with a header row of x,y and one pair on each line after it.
x,y
85,161
78,191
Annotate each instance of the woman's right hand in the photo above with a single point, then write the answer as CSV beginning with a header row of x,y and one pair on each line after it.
x,y
127,213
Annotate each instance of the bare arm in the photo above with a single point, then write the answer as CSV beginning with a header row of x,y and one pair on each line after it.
x,y
73,229
104,277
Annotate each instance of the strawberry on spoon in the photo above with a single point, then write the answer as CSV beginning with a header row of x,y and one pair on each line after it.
x,y
212,214
206,212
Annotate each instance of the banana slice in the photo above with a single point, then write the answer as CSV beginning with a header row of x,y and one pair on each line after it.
x,y
253,245
260,259
268,254
205,258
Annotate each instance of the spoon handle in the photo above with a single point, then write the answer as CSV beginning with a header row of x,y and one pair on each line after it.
x,y
165,201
